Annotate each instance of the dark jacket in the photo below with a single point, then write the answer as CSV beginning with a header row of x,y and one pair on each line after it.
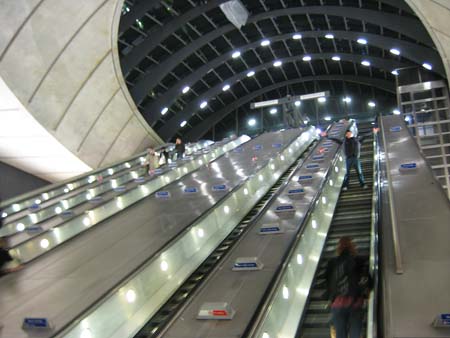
x,y
180,148
352,146
4,257
348,276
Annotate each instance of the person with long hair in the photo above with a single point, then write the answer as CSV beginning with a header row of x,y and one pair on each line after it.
x,y
348,284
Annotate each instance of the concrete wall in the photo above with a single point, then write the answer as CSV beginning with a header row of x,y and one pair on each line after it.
x,y
435,15
60,59
14,182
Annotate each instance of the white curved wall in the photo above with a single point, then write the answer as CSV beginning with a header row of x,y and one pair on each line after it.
x,y
435,15
59,57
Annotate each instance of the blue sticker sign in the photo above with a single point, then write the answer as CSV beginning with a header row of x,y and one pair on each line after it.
x,y
408,166
67,213
257,147
158,171
445,317
245,265
219,187
269,229
33,228
35,323
327,143
172,165
96,199
305,178
284,208
121,188
277,145
140,180
299,191
190,190
318,157
312,166
162,194
395,129
34,207
238,150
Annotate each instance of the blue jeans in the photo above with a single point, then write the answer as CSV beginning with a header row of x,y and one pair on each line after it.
x,y
356,163
347,322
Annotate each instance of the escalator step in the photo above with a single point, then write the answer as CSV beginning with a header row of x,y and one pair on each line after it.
x,y
315,332
317,320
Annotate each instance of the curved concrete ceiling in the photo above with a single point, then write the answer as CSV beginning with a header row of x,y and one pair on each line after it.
x,y
406,26
411,51
60,60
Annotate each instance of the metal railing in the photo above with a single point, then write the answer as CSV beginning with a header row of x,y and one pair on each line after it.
x,y
372,305
395,239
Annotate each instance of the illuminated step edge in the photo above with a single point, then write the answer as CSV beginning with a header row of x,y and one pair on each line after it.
x,y
247,264
220,311
271,228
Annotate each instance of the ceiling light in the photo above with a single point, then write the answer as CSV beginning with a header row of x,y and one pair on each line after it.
x,y
329,36
365,63
297,36
322,99
327,118
226,87
336,58
277,63
265,43
347,99
298,103
306,58
427,66
395,72
396,112
164,111
251,73
186,89
251,122
203,104
236,54
273,111
182,124
362,41
371,104
395,51
305,121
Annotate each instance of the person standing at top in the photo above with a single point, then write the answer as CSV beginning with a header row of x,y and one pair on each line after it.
x,y
348,283
352,149
179,148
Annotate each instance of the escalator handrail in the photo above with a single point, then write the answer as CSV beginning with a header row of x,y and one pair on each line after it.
x,y
372,314
275,283
393,214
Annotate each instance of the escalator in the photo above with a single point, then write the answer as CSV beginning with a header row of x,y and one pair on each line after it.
x,y
156,325
352,217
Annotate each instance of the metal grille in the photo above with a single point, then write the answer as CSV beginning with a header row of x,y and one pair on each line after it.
x,y
425,107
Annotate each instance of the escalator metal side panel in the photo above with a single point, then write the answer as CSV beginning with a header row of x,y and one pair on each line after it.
x,y
116,317
283,312
422,213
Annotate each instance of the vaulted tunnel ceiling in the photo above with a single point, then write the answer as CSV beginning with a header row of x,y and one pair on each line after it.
x,y
167,45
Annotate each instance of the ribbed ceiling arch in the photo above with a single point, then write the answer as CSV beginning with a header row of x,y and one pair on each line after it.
x,y
167,45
